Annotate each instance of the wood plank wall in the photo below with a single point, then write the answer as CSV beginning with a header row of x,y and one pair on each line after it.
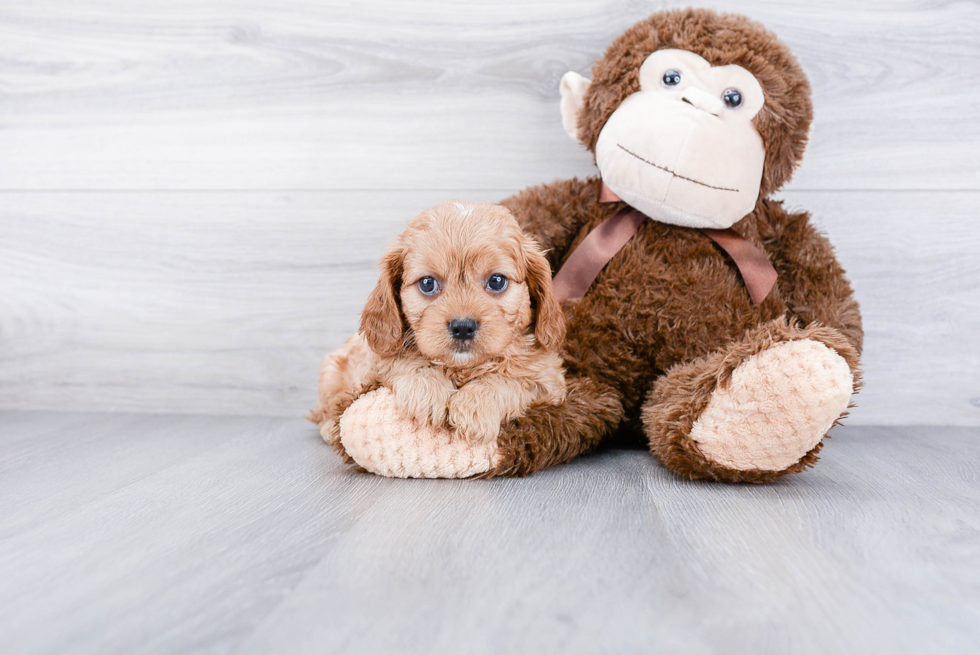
x,y
194,193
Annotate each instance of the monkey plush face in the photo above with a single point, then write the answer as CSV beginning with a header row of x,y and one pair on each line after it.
x,y
683,148
691,115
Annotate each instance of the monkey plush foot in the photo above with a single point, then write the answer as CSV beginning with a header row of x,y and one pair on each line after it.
x,y
777,407
755,411
379,439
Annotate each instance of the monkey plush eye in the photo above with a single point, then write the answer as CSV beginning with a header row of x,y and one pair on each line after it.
x,y
428,286
496,283
671,78
732,98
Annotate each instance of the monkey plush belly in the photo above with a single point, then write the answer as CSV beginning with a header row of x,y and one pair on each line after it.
x,y
669,296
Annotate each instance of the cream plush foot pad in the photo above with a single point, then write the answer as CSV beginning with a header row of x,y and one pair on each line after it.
x,y
777,407
376,436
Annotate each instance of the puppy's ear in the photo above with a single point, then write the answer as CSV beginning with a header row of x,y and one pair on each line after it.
x,y
549,320
381,320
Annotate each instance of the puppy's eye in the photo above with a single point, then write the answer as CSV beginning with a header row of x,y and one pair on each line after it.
x,y
496,283
671,78
428,286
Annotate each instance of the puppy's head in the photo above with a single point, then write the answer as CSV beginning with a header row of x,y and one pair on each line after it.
x,y
463,284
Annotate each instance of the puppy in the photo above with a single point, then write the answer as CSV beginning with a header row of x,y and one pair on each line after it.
x,y
462,327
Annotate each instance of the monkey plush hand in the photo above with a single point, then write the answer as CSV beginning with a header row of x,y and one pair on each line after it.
x,y
704,320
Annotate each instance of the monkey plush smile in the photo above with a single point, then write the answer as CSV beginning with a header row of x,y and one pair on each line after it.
x,y
664,168
702,156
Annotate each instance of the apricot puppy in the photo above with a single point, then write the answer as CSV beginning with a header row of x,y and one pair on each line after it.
x,y
463,327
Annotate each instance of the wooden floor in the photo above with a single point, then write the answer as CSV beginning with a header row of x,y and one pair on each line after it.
x,y
178,534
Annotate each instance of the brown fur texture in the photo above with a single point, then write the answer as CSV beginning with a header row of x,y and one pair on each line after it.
x,y
558,434
669,318
405,342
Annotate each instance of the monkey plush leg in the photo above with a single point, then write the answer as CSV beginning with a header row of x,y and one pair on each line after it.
x,y
374,435
555,434
382,440
755,410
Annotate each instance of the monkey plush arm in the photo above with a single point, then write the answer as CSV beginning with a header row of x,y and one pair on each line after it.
x,y
554,213
813,283
554,434
379,438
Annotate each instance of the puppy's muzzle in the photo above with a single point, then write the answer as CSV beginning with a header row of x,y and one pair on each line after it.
x,y
463,329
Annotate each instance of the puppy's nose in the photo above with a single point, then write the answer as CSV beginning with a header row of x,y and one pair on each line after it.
x,y
463,329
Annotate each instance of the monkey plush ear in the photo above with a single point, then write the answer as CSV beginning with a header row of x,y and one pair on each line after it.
x,y
573,88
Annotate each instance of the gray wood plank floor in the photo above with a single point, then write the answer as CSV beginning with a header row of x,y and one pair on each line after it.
x,y
177,534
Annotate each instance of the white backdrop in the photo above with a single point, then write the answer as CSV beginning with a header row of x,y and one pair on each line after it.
x,y
194,194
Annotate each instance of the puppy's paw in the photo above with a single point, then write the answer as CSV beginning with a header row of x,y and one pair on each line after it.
x,y
423,396
475,414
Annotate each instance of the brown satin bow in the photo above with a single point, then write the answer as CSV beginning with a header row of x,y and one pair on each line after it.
x,y
600,245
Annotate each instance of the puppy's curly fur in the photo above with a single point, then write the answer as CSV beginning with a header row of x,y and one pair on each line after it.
x,y
436,272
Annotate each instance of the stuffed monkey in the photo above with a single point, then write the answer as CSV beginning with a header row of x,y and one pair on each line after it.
x,y
704,319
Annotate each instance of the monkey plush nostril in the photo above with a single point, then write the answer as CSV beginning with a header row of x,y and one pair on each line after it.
x,y
463,329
